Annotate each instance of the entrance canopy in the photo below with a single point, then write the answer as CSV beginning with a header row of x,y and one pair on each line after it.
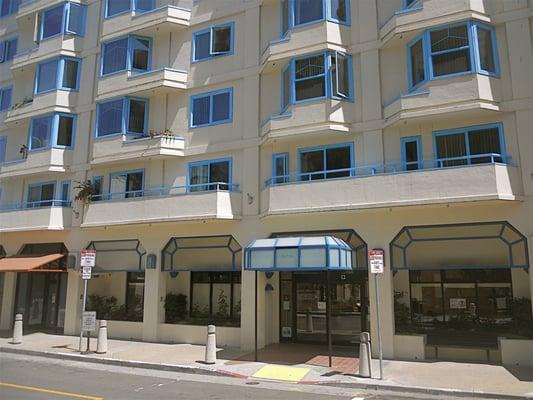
x,y
313,253
27,264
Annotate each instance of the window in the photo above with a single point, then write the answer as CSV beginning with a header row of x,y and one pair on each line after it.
x,y
5,98
98,187
457,49
122,116
55,130
8,7
214,41
300,12
135,293
474,145
126,184
209,175
409,3
339,10
317,76
326,162
280,168
284,7
411,153
216,296
129,53
65,191
116,7
8,49
3,146
58,74
67,18
41,195
211,108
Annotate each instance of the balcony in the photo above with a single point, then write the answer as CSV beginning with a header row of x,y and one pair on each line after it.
x,y
118,148
39,161
69,46
29,7
470,94
165,204
160,20
390,185
54,101
52,215
149,83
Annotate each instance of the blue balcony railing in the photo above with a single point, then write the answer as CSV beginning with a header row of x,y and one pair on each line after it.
x,y
390,168
35,204
167,191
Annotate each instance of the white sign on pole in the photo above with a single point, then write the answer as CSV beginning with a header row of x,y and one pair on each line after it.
x,y
86,272
88,321
377,261
88,258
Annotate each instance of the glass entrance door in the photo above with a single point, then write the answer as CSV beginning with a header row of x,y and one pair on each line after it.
x,y
311,311
36,300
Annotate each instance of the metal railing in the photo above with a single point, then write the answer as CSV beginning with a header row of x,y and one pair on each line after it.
x,y
167,191
35,204
389,168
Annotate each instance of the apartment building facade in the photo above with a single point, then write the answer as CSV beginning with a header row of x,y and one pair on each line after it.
x,y
169,135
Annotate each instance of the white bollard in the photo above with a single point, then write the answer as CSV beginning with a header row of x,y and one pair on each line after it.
x,y
365,356
101,346
17,330
211,345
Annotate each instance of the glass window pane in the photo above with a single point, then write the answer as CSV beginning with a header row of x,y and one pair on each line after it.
x,y
134,184
47,191
451,62
449,38
307,11
115,56
315,258
338,10
11,49
198,175
136,120
117,6
70,74
76,18
417,63
286,87
221,300
141,53
5,7
221,39
338,158
3,145
411,155
135,296
65,191
110,117
486,50
144,5
5,101
201,46
47,76
262,259
484,141
308,67
451,146
52,22
200,111
219,172
426,303
40,132
284,17
221,107
34,194
118,185
312,161
340,75
65,130
310,88
200,299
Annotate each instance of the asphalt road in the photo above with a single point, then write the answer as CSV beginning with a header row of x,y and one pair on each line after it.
x,y
25,377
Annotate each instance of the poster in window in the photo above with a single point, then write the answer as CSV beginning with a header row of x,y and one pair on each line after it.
x,y
286,331
501,303
458,303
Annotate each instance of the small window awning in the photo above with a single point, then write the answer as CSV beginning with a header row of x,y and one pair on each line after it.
x,y
306,253
27,264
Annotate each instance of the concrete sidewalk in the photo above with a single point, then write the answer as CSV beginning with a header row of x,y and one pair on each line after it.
x,y
299,367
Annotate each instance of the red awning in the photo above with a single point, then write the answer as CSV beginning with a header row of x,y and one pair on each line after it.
x,y
27,264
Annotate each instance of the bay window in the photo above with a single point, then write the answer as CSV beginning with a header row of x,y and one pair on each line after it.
x,y
54,130
295,13
213,41
67,18
132,53
326,162
209,175
473,145
452,50
116,7
126,115
126,184
8,7
57,74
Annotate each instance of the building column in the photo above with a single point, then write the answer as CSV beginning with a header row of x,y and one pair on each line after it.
x,y
73,303
154,300
8,301
248,310
531,271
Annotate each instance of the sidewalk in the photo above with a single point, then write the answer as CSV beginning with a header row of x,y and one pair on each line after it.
x,y
291,364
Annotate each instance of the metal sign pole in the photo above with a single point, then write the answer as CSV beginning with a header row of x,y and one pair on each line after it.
x,y
83,310
377,267
378,317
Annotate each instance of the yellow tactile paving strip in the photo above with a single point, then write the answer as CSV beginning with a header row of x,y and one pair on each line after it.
x,y
281,373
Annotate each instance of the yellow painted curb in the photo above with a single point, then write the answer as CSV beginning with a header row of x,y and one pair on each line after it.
x,y
281,373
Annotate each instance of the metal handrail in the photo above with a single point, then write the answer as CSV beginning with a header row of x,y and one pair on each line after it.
x,y
35,204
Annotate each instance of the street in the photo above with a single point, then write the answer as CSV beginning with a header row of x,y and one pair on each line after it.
x,y
26,377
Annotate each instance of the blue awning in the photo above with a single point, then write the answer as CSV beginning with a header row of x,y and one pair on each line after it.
x,y
308,253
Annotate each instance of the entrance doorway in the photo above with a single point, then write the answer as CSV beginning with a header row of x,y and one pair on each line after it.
x,y
41,299
303,306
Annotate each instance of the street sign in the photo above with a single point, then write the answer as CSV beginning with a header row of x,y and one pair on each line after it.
x,y
377,261
88,258
86,272
88,321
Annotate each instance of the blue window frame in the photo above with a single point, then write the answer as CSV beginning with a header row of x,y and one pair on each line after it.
x,y
210,175
132,53
480,144
280,168
58,74
41,195
127,115
67,18
6,94
3,147
409,4
296,13
326,162
117,7
8,49
53,130
452,50
317,76
411,153
213,41
126,184
98,186
211,108
8,7
64,195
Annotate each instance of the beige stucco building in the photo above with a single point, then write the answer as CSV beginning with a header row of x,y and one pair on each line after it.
x,y
201,126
